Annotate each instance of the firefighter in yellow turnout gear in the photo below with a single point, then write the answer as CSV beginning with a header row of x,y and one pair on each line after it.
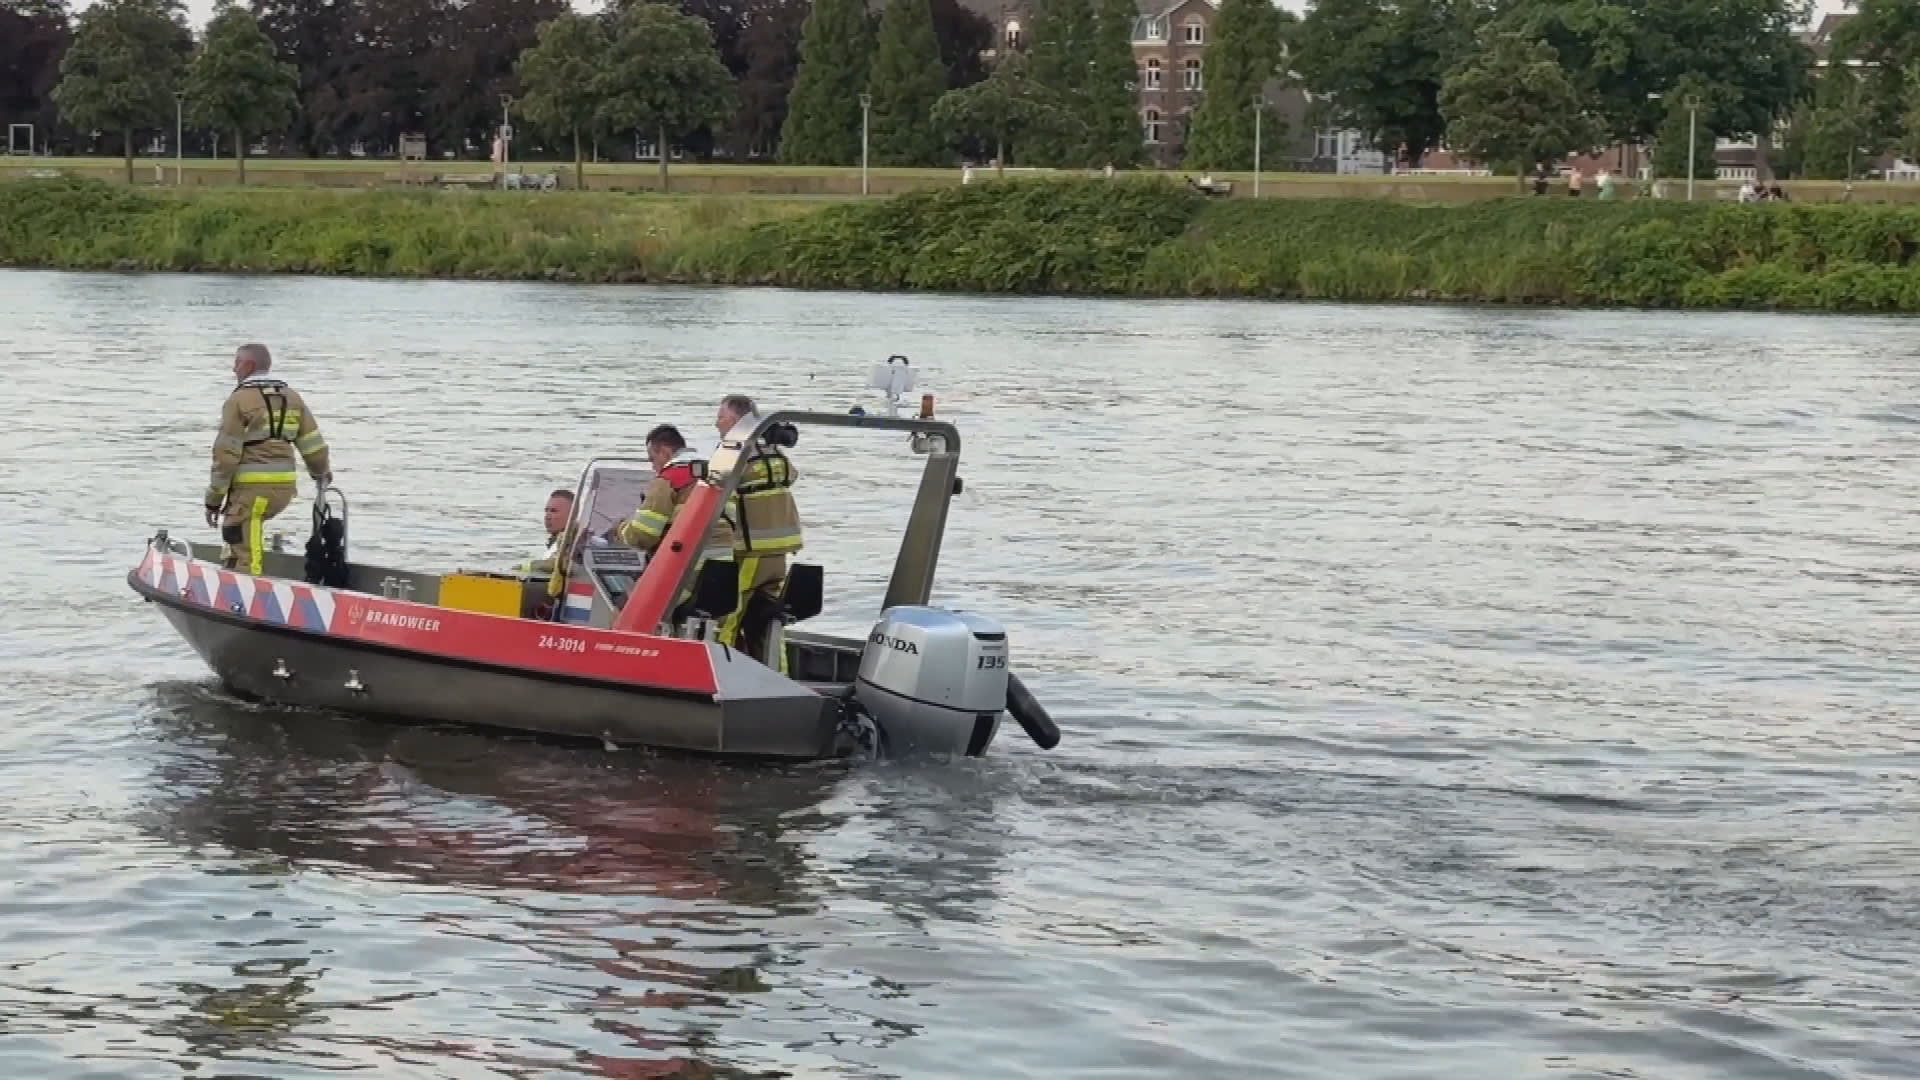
x,y
766,530
263,425
675,470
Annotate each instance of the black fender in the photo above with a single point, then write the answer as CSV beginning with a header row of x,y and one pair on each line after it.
x,y
1031,714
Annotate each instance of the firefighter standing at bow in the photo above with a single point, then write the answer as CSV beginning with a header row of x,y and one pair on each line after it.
x,y
263,424
766,529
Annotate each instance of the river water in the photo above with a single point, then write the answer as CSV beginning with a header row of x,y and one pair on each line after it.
x,y
1445,693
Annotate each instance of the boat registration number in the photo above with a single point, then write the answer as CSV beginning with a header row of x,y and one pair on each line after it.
x,y
563,644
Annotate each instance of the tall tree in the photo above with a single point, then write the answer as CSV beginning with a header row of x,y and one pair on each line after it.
x,y
1113,103
1883,38
1907,143
823,112
388,84
770,48
484,39
1244,56
1382,61
907,78
562,80
313,35
1621,51
963,35
1005,107
122,69
1513,105
237,84
1839,131
1691,109
727,21
664,77
34,35
1062,56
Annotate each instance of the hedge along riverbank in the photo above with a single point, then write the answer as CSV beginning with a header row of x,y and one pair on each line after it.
x,y
1143,238
1128,236
78,224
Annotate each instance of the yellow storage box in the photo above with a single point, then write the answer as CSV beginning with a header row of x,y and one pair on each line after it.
x,y
490,594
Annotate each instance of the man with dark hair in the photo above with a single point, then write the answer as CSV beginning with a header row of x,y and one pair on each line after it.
x,y
766,530
675,470
264,425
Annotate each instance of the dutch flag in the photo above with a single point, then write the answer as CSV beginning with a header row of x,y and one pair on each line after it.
x,y
579,605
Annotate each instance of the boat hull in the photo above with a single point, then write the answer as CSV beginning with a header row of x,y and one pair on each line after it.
x,y
312,648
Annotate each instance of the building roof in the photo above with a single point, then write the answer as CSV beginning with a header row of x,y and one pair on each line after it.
x,y
997,11
1819,36
1151,25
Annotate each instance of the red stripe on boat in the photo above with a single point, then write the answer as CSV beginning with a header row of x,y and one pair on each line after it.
x,y
666,663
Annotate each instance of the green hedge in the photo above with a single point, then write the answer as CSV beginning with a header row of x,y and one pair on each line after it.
x,y
1125,236
82,224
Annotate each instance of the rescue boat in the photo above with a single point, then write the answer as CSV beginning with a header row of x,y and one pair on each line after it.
x,y
598,649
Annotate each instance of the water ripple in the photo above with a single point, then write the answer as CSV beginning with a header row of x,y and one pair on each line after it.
x,y
1445,692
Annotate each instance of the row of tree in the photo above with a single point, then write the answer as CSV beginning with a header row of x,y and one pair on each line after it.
x,y
369,71
1512,82
1520,82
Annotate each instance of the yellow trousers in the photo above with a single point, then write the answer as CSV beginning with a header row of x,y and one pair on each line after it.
x,y
763,579
243,523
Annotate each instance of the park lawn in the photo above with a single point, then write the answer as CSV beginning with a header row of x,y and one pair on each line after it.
x,y
386,165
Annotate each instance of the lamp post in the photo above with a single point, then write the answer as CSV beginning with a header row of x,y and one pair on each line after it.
x,y
506,133
179,101
1259,106
1693,119
866,109
1693,111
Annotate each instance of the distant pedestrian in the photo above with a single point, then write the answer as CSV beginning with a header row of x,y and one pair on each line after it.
x,y
1574,180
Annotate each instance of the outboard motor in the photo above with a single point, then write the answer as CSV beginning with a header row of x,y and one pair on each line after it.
x,y
936,681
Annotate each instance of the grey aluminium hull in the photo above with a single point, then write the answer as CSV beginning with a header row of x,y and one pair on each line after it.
x,y
759,714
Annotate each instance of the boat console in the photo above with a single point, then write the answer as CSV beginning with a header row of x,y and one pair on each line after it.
x,y
613,570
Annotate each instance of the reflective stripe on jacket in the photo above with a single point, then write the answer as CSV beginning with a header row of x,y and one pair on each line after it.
x,y
766,520
666,493
263,425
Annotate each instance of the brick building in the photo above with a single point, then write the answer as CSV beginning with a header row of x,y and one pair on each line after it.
x,y
1170,53
1170,40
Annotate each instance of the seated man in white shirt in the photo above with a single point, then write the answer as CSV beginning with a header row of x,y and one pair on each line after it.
x,y
558,509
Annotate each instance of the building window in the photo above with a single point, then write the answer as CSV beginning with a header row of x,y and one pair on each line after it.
x,y
1013,33
1157,28
1190,78
1326,144
1152,78
1152,117
1194,32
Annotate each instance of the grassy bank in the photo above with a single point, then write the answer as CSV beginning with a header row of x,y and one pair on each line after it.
x,y
85,224
1122,237
839,181
1157,240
